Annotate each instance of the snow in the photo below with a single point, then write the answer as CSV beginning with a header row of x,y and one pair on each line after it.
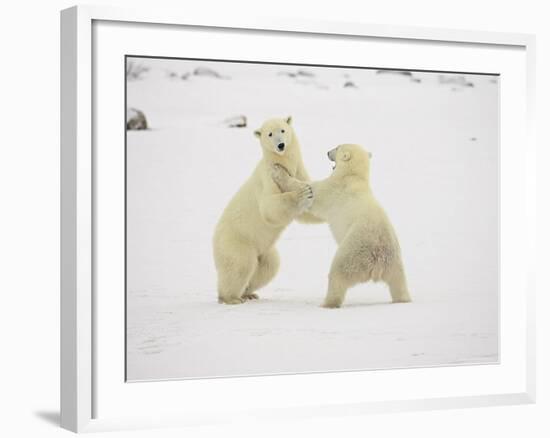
x,y
434,169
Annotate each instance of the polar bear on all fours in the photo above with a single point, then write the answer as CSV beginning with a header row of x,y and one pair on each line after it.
x,y
244,240
368,248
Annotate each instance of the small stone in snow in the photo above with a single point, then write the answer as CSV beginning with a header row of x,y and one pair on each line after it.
x,y
135,120
236,122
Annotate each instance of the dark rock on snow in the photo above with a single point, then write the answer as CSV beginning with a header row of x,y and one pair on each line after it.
x,y
455,80
305,73
287,73
135,120
236,122
208,72
394,72
135,71
296,74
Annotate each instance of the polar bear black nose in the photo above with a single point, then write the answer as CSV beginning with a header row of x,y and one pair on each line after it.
x,y
281,146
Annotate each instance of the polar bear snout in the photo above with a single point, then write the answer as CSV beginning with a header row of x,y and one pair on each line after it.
x,y
332,154
276,136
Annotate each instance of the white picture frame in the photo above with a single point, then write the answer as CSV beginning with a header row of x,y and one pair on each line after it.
x,y
81,370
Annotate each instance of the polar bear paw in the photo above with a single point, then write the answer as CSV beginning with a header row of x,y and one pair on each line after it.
x,y
284,180
305,198
233,300
281,177
251,296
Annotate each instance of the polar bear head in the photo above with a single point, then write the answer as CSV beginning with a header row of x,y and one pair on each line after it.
x,y
350,159
276,135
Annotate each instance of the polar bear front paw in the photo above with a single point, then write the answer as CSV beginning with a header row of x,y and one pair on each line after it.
x,y
331,305
305,198
233,300
285,181
281,177
251,296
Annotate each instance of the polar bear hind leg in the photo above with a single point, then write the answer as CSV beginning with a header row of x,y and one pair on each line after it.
x,y
344,273
235,270
394,277
338,285
268,265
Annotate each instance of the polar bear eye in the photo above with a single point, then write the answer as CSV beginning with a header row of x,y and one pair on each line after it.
x,y
282,131
271,134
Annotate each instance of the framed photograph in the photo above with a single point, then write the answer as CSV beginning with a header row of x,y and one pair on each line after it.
x,y
280,219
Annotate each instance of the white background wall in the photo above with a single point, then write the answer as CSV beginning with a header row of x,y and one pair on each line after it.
x,y
29,220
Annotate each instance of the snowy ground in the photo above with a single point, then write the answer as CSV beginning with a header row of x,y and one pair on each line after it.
x,y
434,169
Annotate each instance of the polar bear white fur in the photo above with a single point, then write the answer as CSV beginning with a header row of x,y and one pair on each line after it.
x,y
244,240
368,248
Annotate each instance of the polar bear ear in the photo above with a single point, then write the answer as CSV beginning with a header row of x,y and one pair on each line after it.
x,y
257,133
288,120
346,156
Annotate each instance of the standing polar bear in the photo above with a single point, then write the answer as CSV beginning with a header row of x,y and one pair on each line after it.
x,y
244,240
368,248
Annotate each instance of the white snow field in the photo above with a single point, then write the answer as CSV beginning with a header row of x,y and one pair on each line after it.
x,y
434,169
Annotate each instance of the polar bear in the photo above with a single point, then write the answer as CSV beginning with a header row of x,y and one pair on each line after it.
x,y
368,248
244,240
